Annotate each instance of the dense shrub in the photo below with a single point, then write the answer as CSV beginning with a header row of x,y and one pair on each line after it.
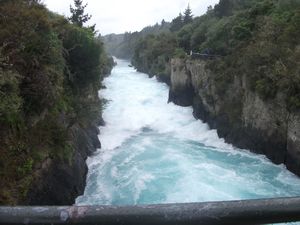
x,y
10,99
83,56
50,71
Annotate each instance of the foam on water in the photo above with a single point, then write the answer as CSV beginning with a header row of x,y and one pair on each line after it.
x,y
154,152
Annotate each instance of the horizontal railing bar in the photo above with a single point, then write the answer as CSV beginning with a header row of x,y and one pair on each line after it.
x,y
262,211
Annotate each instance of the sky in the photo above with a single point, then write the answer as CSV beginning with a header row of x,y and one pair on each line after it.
x,y
119,16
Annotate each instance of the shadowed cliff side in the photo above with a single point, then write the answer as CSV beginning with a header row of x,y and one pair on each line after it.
x,y
59,183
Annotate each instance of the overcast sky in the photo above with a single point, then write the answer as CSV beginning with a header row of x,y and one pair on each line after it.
x,y
118,16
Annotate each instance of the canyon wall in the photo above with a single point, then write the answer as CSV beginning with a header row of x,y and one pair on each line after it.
x,y
59,182
239,114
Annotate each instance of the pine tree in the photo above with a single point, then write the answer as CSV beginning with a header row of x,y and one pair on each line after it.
x,y
78,17
188,17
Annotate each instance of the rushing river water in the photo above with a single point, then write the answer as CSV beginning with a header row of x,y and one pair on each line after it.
x,y
155,152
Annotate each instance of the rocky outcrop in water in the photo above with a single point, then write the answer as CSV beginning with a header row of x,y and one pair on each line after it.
x,y
239,114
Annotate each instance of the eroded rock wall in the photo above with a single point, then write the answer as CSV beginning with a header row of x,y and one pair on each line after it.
x,y
238,113
59,182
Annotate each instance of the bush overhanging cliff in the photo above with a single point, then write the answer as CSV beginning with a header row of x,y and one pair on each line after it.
x,y
50,72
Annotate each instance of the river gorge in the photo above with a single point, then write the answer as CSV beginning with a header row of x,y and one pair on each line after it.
x,y
155,152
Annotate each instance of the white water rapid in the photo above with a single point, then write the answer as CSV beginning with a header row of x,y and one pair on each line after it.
x,y
155,152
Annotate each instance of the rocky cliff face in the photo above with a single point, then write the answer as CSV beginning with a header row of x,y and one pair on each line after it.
x,y
237,112
59,182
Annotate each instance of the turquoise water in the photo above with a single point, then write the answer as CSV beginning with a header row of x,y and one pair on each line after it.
x,y
155,152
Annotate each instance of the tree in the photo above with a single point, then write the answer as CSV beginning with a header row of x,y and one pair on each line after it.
x,y
31,2
224,8
188,17
177,23
210,10
184,37
78,17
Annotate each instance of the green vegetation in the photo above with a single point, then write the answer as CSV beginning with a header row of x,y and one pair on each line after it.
x,y
123,45
50,71
258,39
78,17
153,53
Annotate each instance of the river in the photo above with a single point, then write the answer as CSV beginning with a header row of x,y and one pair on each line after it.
x,y
155,152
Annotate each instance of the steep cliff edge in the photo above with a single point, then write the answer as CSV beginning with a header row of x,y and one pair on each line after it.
x,y
50,74
59,182
238,113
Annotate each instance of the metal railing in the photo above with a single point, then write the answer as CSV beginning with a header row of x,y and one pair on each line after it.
x,y
263,211
203,56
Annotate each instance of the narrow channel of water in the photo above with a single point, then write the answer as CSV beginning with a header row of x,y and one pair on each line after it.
x,y
155,152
